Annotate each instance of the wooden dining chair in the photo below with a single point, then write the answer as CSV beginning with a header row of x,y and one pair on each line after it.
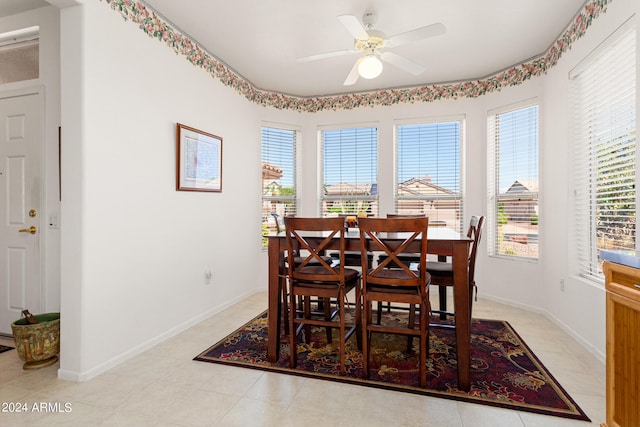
x,y
279,222
283,275
314,277
442,271
405,258
401,284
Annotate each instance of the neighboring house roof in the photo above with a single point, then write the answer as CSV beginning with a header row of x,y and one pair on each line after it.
x,y
345,188
273,185
421,187
414,186
271,189
524,186
270,171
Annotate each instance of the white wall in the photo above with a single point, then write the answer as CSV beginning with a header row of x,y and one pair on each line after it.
x,y
580,308
135,251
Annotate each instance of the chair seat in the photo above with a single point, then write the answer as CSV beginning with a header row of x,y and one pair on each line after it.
x,y
349,273
396,274
439,267
409,290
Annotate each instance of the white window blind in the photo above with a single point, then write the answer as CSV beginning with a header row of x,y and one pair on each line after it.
x,y
512,145
603,95
278,175
350,171
429,172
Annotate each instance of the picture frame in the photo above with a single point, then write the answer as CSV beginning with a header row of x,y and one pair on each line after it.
x,y
198,160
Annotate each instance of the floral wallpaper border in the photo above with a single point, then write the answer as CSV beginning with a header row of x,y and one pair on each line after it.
x,y
147,19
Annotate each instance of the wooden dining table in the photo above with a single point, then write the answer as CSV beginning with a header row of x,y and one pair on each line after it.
x,y
442,241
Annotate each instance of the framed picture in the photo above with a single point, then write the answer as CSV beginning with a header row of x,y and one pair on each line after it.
x,y
199,160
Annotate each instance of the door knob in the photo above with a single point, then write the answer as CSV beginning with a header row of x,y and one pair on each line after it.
x,y
31,230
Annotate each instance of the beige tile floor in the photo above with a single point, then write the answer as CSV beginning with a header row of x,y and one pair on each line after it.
x,y
164,387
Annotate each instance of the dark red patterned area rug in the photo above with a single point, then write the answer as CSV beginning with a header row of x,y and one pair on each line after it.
x,y
504,371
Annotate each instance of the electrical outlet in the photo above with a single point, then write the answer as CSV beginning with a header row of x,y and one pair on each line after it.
x,y
207,277
562,285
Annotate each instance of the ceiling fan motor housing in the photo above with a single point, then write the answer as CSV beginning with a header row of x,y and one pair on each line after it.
x,y
373,43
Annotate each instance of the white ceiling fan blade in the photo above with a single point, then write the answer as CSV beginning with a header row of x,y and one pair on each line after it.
x,y
417,34
402,62
353,74
354,26
326,55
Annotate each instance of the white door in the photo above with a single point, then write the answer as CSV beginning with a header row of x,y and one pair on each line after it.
x,y
20,210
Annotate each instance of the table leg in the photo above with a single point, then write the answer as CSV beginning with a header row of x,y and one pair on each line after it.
x,y
273,339
462,310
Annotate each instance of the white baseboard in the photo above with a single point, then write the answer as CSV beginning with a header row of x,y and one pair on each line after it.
x,y
94,372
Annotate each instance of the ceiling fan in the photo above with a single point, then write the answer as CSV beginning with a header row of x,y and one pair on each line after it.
x,y
371,42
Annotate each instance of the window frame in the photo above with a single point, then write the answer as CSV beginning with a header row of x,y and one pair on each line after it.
x,y
20,50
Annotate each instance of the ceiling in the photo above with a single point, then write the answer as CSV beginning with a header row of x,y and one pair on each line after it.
x,y
261,39
11,7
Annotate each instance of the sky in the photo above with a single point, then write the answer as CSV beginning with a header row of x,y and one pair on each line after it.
x,y
518,150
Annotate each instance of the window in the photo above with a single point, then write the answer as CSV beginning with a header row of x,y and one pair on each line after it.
x,y
19,55
278,175
512,145
350,171
603,94
428,172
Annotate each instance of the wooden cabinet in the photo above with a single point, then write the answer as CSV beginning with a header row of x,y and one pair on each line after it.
x,y
623,345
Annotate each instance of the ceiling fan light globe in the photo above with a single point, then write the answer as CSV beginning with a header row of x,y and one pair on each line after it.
x,y
370,67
